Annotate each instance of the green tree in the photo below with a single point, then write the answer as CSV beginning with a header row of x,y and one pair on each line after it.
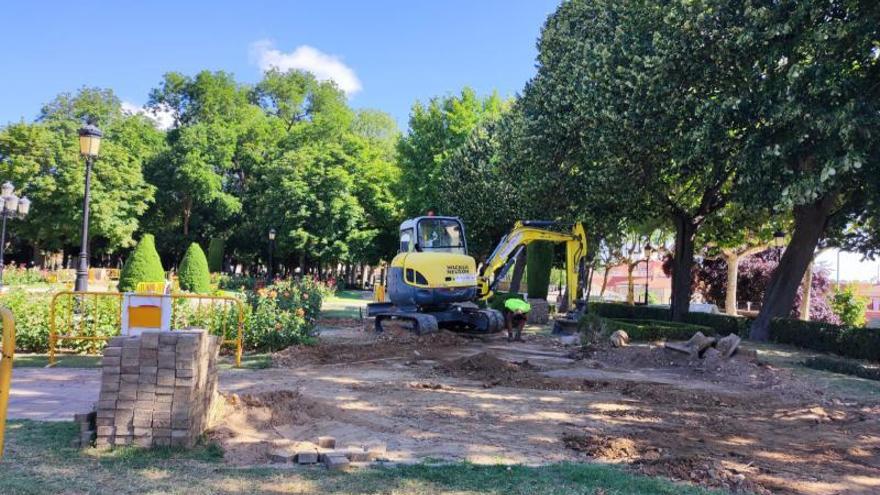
x,y
849,307
193,274
42,159
539,261
815,146
142,265
436,130
643,105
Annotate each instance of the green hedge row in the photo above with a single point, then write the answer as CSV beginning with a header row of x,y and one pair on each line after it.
x,y
656,329
854,342
844,366
720,324
499,298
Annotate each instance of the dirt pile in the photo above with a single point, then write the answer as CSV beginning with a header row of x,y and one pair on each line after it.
x,y
706,472
396,343
493,371
601,446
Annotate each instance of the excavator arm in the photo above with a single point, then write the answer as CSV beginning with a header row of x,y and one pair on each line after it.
x,y
523,234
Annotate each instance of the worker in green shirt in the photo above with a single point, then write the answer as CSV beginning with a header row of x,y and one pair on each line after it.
x,y
515,311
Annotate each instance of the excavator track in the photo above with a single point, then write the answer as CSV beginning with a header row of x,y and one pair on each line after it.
x,y
422,323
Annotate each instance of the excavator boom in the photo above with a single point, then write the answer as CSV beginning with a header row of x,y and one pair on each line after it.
x,y
523,234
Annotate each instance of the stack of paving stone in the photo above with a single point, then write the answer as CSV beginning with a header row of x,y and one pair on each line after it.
x,y
157,389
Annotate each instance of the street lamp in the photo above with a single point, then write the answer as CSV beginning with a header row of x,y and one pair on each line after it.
x,y
89,144
271,271
648,251
13,207
779,239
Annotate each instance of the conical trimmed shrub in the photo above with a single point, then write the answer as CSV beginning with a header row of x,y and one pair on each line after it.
x,y
193,274
539,261
143,265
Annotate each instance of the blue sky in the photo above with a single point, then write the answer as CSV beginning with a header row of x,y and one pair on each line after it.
x,y
387,53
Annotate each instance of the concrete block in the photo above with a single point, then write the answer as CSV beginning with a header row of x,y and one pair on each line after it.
x,y
108,361
164,390
130,343
281,456
106,431
110,371
165,378
307,457
357,454
184,373
168,338
336,462
112,351
161,420
128,378
150,340
109,385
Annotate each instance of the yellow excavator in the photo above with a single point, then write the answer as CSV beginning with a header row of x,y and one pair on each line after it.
x,y
433,283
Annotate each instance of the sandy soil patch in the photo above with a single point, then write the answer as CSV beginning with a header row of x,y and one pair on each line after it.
x,y
739,424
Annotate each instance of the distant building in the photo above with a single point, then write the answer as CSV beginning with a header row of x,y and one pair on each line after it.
x,y
659,285
872,312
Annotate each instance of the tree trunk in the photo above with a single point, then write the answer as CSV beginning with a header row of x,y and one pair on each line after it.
x,y
809,224
187,213
732,260
682,262
518,269
807,292
604,281
630,284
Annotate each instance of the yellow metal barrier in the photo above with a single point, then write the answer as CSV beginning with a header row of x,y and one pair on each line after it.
x,y
8,352
81,315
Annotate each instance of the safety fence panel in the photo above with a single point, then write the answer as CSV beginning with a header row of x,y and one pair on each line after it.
x,y
83,321
8,352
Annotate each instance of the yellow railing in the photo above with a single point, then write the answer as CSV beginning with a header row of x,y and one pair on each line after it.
x,y
8,352
87,316
150,288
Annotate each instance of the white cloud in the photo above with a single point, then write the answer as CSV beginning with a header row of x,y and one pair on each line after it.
x,y
163,118
322,65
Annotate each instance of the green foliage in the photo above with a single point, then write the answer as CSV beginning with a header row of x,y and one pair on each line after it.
x,y
657,329
539,261
283,314
31,312
854,342
845,366
142,265
593,328
436,130
849,307
42,159
215,254
18,275
626,311
193,273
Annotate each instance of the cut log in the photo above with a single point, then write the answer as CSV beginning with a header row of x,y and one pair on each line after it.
x,y
728,345
619,338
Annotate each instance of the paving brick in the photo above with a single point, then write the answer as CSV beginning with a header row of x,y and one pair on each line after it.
x,y
130,342
128,378
150,340
184,373
327,442
167,338
145,441
112,351
306,457
106,430
161,420
165,378
122,405
109,371
162,441
109,385
110,361
336,462
281,456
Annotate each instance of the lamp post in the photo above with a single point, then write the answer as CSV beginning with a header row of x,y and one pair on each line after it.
x,y
648,251
779,239
271,271
89,144
13,207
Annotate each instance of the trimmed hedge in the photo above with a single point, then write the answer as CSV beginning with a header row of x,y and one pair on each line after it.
x,y
143,265
194,275
656,329
720,324
216,247
539,261
843,366
854,342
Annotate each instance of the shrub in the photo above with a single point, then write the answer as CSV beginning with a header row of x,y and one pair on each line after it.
x,y
539,261
847,367
216,248
14,276
656,329
721,324
31,312
592,328
143,265
283,314
194,275
849,307
854,342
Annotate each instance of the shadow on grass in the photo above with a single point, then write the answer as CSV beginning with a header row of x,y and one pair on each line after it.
x,y
39,460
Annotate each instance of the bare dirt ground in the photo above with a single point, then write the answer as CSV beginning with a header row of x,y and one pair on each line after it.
x,y
739,424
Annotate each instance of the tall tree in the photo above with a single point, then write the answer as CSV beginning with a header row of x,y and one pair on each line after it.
x,y
817,141
436,130
646,103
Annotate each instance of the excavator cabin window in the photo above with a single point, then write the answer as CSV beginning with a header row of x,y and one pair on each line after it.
x,y
441,235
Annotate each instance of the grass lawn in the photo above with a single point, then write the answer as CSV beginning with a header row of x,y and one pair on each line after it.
x,y
345,304
39,461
